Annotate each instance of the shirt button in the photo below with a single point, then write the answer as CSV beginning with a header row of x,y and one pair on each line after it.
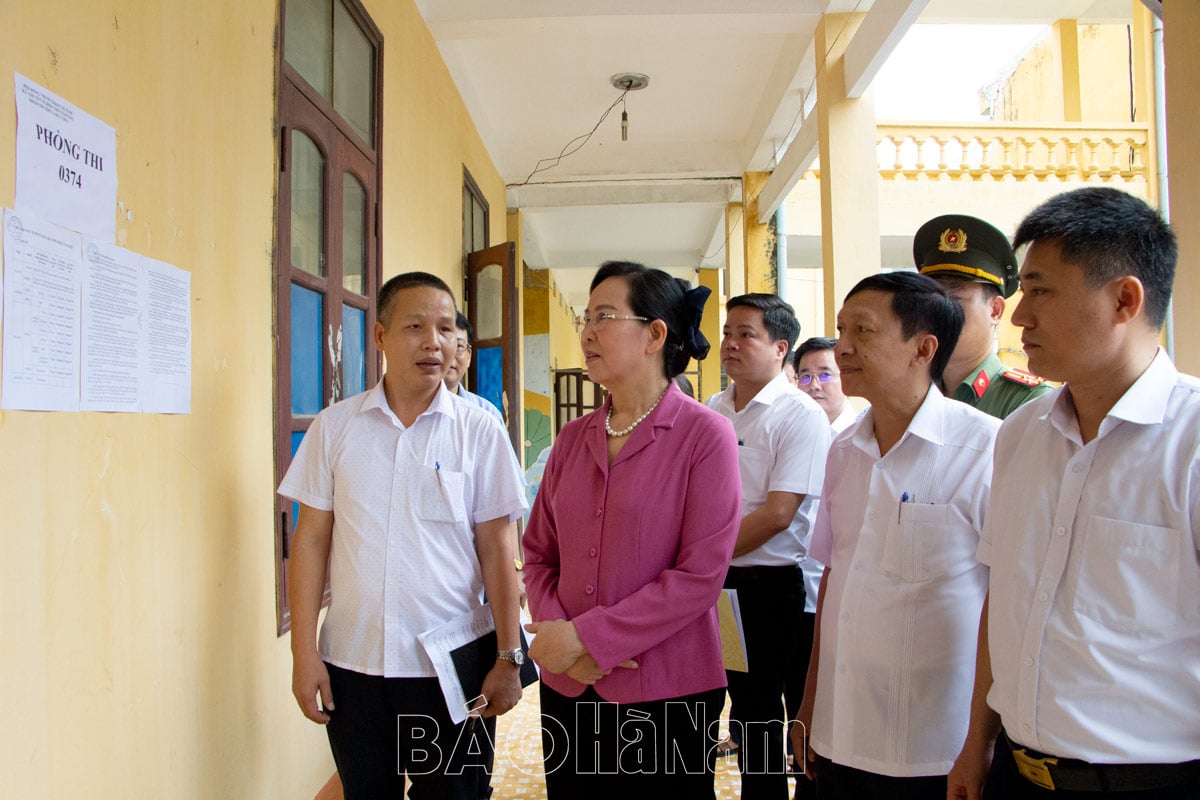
x,y
1027,727
870,515
841,669
858,564
599,511
1060,531
589,589
1028,660
1078,468
1043,597
592,552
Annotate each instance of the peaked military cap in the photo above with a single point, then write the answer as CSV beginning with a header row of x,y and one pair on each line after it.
x,y
967,248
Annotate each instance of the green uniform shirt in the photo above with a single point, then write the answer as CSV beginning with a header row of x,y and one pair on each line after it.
x,y
998,390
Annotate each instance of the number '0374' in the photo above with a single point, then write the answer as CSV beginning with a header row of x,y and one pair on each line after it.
x,y
70,177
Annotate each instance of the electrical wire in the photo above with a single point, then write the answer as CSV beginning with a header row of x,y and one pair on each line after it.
x,y
567,149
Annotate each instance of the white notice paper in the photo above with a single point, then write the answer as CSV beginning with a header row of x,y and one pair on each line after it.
x,y
66,162
167,340
113,313
42,267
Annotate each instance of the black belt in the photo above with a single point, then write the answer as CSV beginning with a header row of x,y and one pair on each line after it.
x,y
1070,774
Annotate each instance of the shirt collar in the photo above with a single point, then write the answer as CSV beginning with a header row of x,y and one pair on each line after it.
x,y
376,398
768,394
926,424
1144,403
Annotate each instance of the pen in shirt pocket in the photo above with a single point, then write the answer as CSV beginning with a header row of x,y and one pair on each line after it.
x,y
904,498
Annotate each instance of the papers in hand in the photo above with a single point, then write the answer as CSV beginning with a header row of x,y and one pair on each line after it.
x,y
733,637
463,650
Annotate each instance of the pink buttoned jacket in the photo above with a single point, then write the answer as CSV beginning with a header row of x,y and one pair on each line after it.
x,y
635,553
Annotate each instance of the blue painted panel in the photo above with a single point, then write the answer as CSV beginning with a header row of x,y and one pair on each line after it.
x,y
490,374
307,358
297,437
354,350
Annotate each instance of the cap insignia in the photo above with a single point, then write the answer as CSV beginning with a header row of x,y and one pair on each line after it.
x,y
953,241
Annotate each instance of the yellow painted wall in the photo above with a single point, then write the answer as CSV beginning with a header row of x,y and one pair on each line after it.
x,y
139,641
564,339
1035,90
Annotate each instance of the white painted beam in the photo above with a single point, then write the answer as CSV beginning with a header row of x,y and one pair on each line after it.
x,y
800,155
881,30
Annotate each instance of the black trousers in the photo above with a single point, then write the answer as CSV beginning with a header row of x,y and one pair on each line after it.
x,y
596,749
385,728
839,782
771,600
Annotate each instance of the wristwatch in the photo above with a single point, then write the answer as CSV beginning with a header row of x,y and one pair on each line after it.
x,y
511,656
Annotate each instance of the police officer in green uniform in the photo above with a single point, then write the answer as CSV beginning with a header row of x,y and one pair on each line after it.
x,y
975,264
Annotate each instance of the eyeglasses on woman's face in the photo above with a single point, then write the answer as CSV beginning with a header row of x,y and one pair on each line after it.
x,y
601,319
808,377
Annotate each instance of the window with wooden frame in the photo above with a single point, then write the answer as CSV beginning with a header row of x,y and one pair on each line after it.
x,y
327,264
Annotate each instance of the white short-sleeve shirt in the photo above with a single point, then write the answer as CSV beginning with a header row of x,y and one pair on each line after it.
x,y
1094,609
900,614
783,437
404,504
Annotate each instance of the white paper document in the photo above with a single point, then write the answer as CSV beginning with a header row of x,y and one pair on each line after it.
x,y
66,162
42,273
440,641
166,374
113,315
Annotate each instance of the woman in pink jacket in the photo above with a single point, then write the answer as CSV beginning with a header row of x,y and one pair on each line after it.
x,y
627,546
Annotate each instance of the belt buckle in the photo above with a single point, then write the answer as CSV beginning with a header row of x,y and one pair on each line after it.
x,y
1034,770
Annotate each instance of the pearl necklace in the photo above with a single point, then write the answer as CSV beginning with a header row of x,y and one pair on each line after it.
x,y
626,431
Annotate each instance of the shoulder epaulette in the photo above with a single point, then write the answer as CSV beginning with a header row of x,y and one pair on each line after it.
x,y
1022,377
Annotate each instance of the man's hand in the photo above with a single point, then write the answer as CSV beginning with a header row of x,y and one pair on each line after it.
x,y
969,773
502,688
310,678
799,733
557,645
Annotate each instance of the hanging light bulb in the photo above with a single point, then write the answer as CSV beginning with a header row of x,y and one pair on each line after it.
x,y
627,82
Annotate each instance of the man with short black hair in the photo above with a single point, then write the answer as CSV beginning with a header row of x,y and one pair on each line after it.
x,y
408,500
901,509
1089,647
818,377
783,437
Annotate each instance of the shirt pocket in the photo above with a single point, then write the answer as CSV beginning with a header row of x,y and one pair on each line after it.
x,y
1129,575
925,543
439,495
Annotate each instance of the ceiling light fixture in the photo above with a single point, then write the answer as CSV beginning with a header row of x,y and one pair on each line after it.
x,y
628,82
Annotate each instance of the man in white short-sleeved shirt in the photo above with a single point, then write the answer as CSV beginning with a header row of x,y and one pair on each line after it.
x,y
1089,651
783,436
408,499
904,499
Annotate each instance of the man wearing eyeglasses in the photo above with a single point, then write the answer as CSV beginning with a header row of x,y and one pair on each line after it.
x,y
465,340
974,263
817,376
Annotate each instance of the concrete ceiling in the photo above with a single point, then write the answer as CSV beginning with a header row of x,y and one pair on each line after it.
x,y
731,84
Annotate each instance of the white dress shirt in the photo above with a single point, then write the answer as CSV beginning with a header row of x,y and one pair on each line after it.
x,y
783,436
900,616
404,504
844,419
1094,611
